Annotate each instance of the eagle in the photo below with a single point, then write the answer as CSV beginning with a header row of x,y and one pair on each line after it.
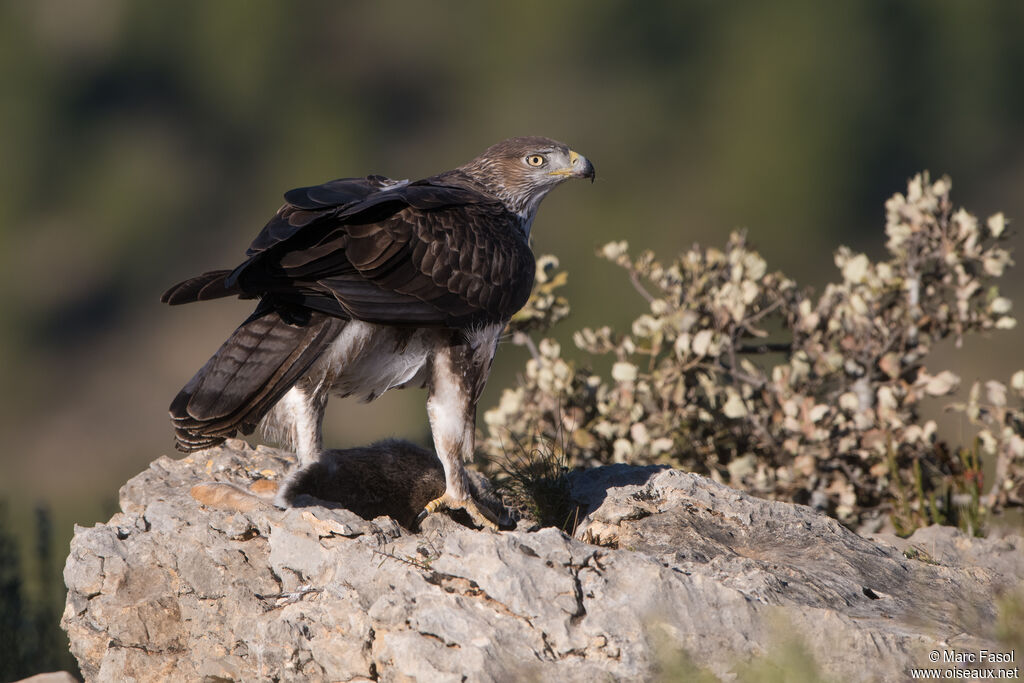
x,y
370,284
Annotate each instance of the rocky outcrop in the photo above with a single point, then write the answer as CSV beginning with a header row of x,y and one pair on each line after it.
x,y
666,569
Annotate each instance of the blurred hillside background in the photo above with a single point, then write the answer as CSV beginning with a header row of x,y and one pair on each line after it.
x,y
143,143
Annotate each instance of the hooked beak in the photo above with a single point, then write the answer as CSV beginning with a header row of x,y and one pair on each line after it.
x,y
582,166
579,167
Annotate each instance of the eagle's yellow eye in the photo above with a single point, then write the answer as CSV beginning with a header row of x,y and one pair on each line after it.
x,y
535,160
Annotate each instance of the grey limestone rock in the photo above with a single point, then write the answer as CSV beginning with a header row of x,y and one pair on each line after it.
x,y
664,562
52,677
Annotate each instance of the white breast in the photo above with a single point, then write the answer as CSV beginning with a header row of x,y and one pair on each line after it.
x,y
366,359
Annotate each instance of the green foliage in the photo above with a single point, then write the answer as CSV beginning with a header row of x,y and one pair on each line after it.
x,y
1010,620
788,662
12,622
736,372
785,660
30,638
919,554
951,499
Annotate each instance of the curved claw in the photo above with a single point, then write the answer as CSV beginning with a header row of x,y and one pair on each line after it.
x,y
481,515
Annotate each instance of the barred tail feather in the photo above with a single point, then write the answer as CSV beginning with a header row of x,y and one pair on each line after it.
x,y
250,372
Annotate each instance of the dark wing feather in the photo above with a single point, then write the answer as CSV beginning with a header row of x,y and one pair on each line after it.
x,y
422,254
307,204
200,288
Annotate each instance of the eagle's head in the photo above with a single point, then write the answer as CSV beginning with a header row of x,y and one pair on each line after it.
x,y
520,171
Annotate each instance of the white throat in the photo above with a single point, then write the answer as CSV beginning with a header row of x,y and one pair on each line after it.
x,y
529,212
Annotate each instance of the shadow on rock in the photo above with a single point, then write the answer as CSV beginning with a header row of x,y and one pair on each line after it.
x,y
392,478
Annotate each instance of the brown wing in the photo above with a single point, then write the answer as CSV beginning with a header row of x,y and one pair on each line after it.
x,y
305,205
415,254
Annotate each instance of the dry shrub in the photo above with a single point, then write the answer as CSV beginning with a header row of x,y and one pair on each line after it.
x,y
736,372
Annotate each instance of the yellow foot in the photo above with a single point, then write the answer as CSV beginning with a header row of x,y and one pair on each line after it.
x,y
480,514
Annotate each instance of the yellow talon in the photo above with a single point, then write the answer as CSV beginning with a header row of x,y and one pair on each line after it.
x,y
481,515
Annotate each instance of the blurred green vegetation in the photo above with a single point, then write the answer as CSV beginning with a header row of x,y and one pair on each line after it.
x,y
30,638
146,142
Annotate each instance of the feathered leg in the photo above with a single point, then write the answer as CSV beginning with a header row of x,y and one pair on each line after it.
x,y
457,378
296,421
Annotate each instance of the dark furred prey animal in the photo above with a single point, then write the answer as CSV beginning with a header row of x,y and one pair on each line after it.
x,y
369,284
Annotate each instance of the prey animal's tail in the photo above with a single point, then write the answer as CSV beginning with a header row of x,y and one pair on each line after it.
x,y
250,372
